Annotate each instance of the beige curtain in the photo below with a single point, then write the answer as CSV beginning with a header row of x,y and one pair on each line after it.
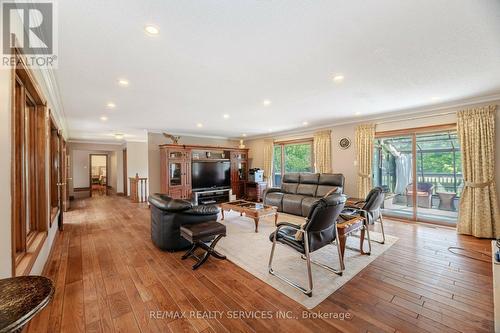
x,y
479,211
365,134
268,161
322,146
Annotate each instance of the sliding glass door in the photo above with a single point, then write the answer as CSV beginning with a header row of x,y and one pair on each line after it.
x,y
420,173
393,171
439,175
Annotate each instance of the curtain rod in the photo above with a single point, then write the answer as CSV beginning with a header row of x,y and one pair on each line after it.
x,y
416,117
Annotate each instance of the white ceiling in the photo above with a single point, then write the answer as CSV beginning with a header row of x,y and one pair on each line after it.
x,y
216,57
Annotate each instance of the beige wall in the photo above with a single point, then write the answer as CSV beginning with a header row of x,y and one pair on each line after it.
x,y
156,139
137,160
79,164
343,160
5,134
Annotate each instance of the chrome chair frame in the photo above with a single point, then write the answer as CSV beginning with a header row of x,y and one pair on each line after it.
x,y
381,221
307,257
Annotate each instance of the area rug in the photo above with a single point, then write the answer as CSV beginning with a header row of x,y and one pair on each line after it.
x,y
250,251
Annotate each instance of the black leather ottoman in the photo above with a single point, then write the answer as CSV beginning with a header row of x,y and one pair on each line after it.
x,y
198,234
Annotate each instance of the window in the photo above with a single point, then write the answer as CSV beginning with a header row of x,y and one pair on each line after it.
x,y
295,156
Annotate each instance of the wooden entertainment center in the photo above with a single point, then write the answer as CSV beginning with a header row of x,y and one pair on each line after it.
x,y
176,161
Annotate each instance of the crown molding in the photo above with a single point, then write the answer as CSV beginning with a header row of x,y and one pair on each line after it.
x,y
194,135
98,142
394,114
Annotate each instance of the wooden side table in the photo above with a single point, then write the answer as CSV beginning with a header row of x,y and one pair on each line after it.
x,y
21,298
347,227
254,191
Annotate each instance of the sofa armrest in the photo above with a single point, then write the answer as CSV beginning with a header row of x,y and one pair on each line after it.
x,y
270,190
203,210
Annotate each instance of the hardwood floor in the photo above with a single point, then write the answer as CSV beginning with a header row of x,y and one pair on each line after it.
x,y
110,278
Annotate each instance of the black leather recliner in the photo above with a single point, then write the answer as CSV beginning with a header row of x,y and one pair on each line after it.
x,y
167,217
319,230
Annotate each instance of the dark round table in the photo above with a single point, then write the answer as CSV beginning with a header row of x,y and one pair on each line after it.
x,y
21,298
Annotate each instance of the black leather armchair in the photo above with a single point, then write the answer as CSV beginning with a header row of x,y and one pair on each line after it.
x,y
319,230
168,215
370,209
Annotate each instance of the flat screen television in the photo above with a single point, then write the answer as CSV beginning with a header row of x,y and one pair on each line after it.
x,y
210,174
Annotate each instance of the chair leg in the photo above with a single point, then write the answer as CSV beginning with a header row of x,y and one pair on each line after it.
x,y
381,220
209,251
308,263
331,269
308,291
369,240
191,250
269,266
341,259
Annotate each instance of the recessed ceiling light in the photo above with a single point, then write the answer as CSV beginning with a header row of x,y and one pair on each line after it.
x,y
111,105
152,30
104,118
119,136
338,78
266,102
305,123
244,135
435,98
270,130
357,113
226,116
199,125
123,82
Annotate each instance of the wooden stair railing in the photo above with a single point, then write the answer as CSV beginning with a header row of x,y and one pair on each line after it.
x,y
138,189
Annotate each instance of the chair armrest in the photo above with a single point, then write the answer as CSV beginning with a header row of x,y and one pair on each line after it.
x,y
287,224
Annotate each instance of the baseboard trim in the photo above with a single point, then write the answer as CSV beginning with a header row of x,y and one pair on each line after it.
x,y
81,189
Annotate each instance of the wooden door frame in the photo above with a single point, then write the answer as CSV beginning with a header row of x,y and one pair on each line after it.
x,y
125,171
90,172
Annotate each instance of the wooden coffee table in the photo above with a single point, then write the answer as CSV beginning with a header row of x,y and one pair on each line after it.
x,y
253,210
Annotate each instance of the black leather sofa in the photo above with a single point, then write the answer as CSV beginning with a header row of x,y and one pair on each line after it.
x,y
299,191
168,215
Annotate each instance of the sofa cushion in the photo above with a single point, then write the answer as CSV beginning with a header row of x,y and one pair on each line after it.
x,y
331,179
307,203
292,204
275,199
290,182
290,188
292,177
309,178
324,189
307,189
